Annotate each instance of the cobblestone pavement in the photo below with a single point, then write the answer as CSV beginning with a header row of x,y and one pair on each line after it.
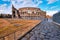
x,y
44,31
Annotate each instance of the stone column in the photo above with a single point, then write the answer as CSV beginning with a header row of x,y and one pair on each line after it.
x,y
16,13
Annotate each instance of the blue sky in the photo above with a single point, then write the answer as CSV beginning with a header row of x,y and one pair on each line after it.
x,y
50,6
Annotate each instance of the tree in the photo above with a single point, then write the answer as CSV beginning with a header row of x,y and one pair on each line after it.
x,y
1,16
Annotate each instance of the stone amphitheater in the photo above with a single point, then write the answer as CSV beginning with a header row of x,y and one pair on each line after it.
x,y
28,13
37,27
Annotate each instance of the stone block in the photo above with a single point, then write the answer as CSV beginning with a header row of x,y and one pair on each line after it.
x,y
1,38
17,34
9,37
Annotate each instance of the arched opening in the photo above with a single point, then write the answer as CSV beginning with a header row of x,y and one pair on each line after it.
x,y
13,14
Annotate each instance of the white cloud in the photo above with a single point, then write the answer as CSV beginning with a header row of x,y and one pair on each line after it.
x,y
3,6
51,12
39,2
51,1
53,7
5,9
18,4
25,3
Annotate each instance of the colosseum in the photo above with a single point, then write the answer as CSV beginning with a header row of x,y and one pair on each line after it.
x,y
28,13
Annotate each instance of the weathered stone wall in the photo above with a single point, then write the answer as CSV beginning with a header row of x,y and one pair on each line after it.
x,y
33,18
32,13
15,13
28,13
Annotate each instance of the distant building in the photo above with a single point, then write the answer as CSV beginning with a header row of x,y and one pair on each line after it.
x,y
28,13
56,17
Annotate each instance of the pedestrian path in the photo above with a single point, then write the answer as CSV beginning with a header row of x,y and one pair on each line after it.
x,y
44,31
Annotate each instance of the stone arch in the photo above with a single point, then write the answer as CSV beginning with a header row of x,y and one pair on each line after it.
x,y
15,13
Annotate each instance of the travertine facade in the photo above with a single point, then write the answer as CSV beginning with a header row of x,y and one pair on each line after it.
x,y
15,13
29,13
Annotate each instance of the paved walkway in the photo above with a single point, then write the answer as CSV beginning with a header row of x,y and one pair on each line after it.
x,y
44,31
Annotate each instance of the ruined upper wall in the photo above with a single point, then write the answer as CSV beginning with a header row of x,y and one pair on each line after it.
x,y
31,11
29,8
